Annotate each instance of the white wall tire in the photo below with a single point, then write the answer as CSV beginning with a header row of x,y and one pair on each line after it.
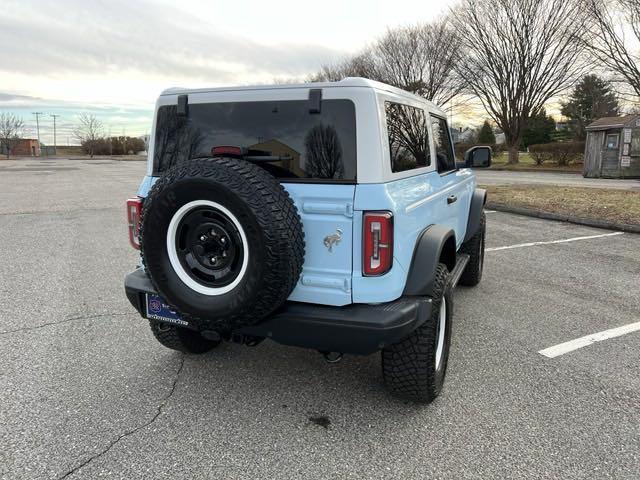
x,y
187,279
221,242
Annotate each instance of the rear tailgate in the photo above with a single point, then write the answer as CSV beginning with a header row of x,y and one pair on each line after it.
x,y
327,218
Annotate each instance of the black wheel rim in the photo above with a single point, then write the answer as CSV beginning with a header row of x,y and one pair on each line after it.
x,y
209,247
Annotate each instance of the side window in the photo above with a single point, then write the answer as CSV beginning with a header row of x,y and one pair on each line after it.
x,y
408,137
442,139
613,140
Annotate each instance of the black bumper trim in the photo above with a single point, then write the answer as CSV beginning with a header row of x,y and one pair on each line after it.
x,y
136,286
359,329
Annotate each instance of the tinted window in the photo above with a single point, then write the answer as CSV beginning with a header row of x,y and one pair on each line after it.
x,y
283,137
442,141
408,137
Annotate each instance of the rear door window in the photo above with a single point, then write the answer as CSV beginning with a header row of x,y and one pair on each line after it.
x,y
408,137
442,140
282,136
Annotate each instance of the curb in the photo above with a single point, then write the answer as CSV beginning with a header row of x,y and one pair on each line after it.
x,y
533,169
589,222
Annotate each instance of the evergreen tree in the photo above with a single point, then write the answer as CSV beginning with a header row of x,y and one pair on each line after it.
x,y
486,136
539,129
591,99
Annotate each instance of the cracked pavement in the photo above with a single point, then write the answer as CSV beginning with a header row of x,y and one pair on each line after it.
x,y
133,430
87,392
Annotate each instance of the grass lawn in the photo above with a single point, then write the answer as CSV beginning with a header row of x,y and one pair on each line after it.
x,y
499,162
619,206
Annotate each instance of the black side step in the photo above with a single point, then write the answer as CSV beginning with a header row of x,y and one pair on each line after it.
x,y
461,262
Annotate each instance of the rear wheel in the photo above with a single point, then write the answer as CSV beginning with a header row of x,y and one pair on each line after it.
x,y
181,339
474,247
415,367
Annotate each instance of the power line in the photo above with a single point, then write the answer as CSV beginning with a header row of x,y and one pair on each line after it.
x,y
37,114
55,146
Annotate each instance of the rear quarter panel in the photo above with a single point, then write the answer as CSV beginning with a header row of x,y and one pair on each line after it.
x,y
416,202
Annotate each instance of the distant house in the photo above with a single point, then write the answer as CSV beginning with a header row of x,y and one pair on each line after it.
x,y
462,134
612,148
290,158
25,147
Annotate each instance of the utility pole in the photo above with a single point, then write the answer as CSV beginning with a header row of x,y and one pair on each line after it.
x,y
37,114
55,145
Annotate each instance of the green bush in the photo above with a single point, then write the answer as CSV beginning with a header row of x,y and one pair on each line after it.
x,y
561,153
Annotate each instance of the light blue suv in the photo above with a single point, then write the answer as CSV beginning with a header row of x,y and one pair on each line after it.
x,y
330,216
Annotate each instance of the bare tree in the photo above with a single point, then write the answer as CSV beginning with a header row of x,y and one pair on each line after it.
x,y
323,153
11,128
519,54
89,132
419,58
612,23
360,65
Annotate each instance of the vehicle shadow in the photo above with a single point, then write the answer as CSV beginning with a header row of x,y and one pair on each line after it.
x,y
274,381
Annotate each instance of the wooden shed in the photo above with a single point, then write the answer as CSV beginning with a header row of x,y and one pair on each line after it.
x,y
612,149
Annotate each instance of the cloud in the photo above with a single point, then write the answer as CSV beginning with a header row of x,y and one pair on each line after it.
x,y
66,37
11,97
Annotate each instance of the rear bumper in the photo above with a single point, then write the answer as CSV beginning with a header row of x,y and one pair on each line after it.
x,y
355,329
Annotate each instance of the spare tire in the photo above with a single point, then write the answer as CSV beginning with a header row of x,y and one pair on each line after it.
x,y
222,242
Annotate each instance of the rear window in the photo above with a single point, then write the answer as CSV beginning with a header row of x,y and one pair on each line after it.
x,y
281,136
408,137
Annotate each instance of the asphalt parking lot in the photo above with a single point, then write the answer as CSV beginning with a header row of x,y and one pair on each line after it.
x,y
86,391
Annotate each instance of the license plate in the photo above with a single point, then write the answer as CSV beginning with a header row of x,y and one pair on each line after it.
x,y
157,309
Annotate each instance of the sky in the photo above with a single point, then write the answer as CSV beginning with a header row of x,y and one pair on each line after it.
x,y
112,58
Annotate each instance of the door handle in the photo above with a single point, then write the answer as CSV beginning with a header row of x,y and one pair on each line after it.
x,y
451,199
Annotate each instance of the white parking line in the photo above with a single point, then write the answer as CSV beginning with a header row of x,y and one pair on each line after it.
x,y
490,211
566,240
572,345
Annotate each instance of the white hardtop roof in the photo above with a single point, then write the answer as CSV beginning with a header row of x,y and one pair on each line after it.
x,y
346,82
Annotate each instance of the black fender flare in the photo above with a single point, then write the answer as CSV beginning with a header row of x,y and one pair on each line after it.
x,y
435,244
478,199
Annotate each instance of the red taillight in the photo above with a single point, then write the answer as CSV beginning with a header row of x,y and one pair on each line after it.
x,y
226,150
377,251
134,215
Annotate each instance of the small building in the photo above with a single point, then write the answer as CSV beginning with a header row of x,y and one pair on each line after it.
x,y
612,149
25,147
462,134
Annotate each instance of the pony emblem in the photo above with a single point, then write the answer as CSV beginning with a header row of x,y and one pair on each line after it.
x,y
333,239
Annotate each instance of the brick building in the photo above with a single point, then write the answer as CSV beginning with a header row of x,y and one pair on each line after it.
x,y
25,147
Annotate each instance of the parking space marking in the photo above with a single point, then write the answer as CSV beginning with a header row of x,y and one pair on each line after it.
x,y
490,211
566,240
587,340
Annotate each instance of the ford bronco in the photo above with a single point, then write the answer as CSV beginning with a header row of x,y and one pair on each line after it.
x,y
330,216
